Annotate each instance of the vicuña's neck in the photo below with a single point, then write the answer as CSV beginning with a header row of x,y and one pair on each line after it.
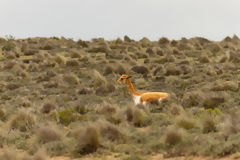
x,y
131,89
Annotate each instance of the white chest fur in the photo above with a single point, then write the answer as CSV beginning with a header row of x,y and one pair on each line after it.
x,y
136,99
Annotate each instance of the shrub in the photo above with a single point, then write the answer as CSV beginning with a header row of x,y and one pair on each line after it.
x,y
105,89
139,118
66,116
47,134
127,39
72,63
12,86
172,70
185,122
163,41
173,136
176,109
204,59
120,69
129,113
108,70
60,59
8,46
111,132
208,124
213,101
71,79
88,142
23,121
140,69
81,109
47,107
99,79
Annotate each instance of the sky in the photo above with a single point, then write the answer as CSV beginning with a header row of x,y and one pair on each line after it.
x,y
110,19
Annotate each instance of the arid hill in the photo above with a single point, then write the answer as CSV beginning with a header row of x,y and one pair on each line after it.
x,y
60,97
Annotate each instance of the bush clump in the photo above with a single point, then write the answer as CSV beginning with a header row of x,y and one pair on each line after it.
x,y
163,41
71,79
23,121
47,134
185,122
138,118
173,136
208,124
66,116
140,69
88,142
47,107
72,63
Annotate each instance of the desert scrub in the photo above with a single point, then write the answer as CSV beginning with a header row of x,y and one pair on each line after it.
x,y
185,122
87,142
47,107
104,90
140,69
60,60
173,136
208,124
163,41
47,134
71,79
108,69
99,79
111,132
66,116
23,121
72,63
120,69
140,118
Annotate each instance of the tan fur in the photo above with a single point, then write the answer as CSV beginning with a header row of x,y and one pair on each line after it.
x,y
146,97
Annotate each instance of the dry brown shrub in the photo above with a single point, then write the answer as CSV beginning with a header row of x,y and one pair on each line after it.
x,y
88,141
185,122
22,121
47,107
140,69
173,136
47,134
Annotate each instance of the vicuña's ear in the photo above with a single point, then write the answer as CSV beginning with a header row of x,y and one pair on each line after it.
x,y
129,77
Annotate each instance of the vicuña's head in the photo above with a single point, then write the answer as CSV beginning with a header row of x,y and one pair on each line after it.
x,y
123,78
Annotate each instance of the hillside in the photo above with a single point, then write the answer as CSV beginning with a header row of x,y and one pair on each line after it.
x,y
60,97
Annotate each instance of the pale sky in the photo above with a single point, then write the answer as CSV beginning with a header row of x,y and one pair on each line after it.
x,y
86,19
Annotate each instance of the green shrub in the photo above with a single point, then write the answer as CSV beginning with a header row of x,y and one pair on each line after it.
x,y
66,116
